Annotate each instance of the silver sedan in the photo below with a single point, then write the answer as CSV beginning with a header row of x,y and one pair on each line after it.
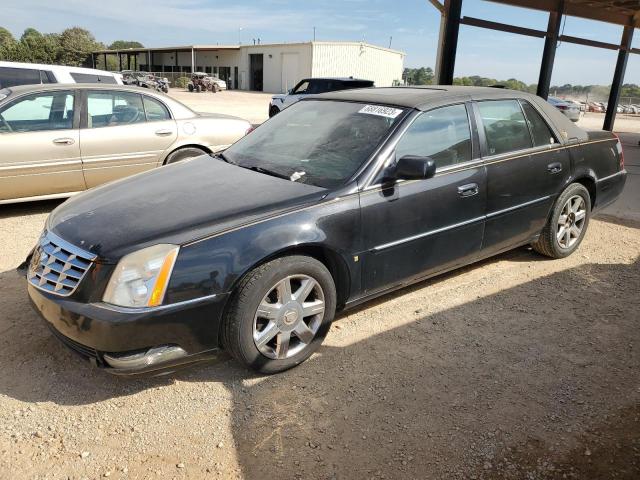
x,y
570,109
57,140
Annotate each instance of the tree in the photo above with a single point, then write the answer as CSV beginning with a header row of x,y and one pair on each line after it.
x,y
40,48
124,44
76,45
6,39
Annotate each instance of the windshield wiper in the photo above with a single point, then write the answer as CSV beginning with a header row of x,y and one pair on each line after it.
x,y
266,171
223,157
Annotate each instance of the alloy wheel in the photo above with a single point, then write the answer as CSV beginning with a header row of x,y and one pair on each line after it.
x,y
288,317
571,221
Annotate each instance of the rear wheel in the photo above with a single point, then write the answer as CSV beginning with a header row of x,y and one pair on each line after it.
x,y
183,154
280,313
198,88
190,87
567,224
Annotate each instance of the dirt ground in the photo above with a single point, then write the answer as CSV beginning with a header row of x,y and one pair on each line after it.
x,y
517,367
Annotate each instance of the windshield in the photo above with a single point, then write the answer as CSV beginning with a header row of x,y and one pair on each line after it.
x,y
318,142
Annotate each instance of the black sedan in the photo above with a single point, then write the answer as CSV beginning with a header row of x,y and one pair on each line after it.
x,y
338,199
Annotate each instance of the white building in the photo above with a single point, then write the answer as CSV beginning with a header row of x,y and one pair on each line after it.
x,y
273,68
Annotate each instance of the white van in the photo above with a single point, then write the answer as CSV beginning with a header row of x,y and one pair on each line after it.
x,y
14,73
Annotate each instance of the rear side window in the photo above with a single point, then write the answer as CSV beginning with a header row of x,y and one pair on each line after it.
x,y
11,77
542,134
442,134
91,78
504,126
111,109
155,109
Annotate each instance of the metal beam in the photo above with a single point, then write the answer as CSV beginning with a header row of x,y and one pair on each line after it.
x,y
588,43
120,60
438,5
449,41
618,78
549,51
503,27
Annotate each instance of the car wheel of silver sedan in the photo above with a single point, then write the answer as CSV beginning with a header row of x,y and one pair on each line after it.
x,y
567,224
280,313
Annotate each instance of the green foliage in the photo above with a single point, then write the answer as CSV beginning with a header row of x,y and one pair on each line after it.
x,y
76,45
418,76
6,39
124,44
181,82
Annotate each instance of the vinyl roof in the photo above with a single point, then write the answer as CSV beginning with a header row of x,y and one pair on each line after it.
x,y
418,97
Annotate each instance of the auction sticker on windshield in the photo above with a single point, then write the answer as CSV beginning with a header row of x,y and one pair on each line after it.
x,y
381,111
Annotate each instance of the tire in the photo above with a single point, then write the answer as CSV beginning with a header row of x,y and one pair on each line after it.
x,y
567,223
273,110
184,154
262,288
214,88
190,87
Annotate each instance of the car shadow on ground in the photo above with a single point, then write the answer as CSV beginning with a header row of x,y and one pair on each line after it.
x,y
539,379
28,208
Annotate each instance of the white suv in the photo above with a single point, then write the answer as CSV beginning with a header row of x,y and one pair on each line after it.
x,y
13,74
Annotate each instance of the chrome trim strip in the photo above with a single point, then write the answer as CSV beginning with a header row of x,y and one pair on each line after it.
x,y
72,248
621,172
425,234
515,207
456,225
119,309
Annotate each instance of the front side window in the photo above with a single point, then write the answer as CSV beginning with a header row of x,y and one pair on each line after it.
x,y
321,143
301,88
442,134
155,110
110,109
504,126
38,112
542,134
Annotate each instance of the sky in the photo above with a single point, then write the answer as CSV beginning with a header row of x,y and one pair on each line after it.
x,y
408,25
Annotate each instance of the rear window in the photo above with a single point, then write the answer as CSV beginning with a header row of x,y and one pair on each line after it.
x,y
92,78
504,125
11,77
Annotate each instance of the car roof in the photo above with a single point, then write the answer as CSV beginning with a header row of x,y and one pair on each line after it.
x,y
341,79
55,68
420,97
39,87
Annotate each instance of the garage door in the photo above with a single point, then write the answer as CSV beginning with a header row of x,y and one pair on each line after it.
x,y
289,71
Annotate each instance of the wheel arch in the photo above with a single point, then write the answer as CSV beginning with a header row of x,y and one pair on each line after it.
x,y
588,181
204,148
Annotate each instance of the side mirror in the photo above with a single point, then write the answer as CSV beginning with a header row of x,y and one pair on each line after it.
x,y
413,167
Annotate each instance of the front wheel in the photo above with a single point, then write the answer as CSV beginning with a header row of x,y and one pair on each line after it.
x,y
567,224
280,313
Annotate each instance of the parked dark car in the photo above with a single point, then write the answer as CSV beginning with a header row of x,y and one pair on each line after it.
x,y
336,200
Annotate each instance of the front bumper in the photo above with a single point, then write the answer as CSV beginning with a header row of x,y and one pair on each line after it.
x,y
96,330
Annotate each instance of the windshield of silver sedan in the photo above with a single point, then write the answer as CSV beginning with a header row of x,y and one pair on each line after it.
x,y
318,142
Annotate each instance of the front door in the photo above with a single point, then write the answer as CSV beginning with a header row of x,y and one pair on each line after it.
x,y
526,168
40,148
415,228
123,133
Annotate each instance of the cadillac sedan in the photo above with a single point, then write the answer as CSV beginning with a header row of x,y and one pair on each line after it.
x,y
336,200
57,140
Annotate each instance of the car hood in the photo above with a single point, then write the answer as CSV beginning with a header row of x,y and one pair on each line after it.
x,y
281,97
174,204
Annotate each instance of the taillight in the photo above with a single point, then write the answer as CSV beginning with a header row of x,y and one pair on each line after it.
x,y
620,151
563,107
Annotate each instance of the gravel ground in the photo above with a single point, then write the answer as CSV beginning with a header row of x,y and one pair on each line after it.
x,y
517,367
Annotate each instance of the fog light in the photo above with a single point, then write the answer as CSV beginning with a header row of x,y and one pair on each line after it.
x,y
150,357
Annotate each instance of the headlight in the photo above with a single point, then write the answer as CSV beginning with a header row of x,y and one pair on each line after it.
x,y
141,278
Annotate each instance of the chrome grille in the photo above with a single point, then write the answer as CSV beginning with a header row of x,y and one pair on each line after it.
x,y
57,266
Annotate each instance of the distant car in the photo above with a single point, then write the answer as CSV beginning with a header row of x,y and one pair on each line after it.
x,y
145,80
203,82
13,74
310,86
569,109
58,140
595,107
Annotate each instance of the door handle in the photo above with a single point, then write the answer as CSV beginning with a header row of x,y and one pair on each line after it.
x,y
554,167
468,190
64,141
164,132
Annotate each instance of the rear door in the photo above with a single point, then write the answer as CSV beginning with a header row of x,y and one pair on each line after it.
x,y
526,168
123,133
40,152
